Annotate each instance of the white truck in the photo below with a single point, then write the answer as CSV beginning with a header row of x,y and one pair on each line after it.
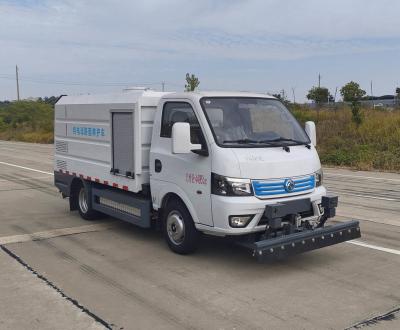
x,y
217,163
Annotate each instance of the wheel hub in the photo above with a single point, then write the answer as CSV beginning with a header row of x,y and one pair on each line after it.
x,y
175,227
83,205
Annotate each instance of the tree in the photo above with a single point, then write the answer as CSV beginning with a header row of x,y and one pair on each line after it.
x,y
319,95
351,92
282,97
49,100
192,82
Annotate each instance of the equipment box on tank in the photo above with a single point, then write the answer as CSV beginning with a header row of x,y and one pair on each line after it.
x,y
106,138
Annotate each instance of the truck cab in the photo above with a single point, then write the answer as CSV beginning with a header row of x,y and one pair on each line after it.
x,y
228,155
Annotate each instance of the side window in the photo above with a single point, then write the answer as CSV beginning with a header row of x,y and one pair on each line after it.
x,y
180,112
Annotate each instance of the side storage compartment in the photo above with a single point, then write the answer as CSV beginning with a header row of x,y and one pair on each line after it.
x,y
122,205
123,144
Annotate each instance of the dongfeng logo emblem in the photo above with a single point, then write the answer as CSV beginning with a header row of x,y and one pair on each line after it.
x,y
289,185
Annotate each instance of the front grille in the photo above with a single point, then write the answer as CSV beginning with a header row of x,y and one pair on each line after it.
x,y
277,187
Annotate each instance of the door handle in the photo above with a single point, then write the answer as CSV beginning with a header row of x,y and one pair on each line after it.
x,y
157,165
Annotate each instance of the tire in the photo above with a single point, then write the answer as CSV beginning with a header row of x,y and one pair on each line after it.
x,y
178,228
84,204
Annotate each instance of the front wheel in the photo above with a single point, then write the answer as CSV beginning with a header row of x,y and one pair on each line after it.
x,y
179,230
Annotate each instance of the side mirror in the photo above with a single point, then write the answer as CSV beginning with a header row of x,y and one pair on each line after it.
x,y
311,132
181,139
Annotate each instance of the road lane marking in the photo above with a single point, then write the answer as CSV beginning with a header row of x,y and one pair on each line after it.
x,y
26,168
27,179
374,247
362,177
367,196
55,233
42,235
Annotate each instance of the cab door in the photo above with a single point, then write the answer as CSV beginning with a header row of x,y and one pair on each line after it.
x,y
189,174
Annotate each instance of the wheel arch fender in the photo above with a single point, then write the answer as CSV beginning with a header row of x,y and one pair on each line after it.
x,y
173,191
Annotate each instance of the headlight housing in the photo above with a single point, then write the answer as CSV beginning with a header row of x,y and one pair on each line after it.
x,y
224,186
319,177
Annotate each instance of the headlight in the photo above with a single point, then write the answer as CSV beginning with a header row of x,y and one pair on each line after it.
x,y
223,186
319,177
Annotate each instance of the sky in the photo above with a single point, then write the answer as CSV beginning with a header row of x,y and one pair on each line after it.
x,y
74,47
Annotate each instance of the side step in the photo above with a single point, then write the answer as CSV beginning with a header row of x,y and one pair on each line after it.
x,y
284,246
122,205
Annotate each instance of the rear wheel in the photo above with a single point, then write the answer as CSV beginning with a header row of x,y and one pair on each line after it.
x,y
84,204
178,227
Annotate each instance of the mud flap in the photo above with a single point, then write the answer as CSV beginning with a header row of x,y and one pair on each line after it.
x,y
308,240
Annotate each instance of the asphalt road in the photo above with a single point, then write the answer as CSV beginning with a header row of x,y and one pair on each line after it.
x,y
59,272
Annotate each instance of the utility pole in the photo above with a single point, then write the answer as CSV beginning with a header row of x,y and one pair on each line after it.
x,y
294,96
372,96
334,100
163,86
16,76
319,80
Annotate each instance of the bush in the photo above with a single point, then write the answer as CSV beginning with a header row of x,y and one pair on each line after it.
x,y
373,144
28,121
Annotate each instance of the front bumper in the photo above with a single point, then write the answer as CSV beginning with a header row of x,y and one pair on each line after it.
x,y
284,246
223,207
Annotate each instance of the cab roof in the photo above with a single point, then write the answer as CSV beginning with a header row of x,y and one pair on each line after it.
x,y
200,94
132,96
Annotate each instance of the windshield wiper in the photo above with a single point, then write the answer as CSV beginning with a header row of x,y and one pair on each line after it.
x,y
283,139
241,141
267,142
248,141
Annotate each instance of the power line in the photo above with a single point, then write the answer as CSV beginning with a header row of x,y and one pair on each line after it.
x,y
75,83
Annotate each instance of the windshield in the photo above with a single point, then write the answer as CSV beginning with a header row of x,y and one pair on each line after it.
x,y
239,121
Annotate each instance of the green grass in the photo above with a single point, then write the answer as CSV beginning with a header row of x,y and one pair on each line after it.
x,y
375,144
27,121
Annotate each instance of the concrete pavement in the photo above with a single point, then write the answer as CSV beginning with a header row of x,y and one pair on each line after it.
x,y
127,277
28,302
